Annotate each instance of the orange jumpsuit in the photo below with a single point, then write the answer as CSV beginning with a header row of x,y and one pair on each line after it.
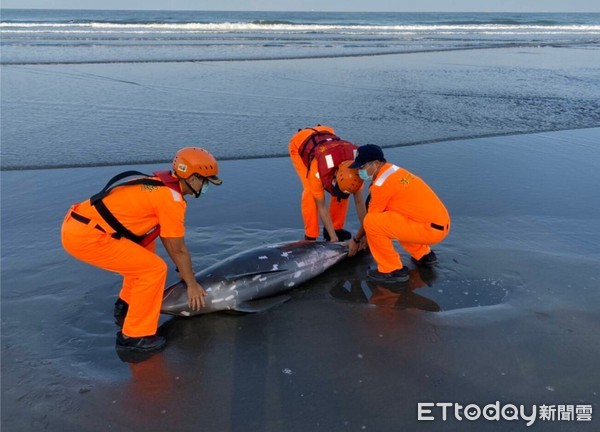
x,y
312,188
404,208
138,208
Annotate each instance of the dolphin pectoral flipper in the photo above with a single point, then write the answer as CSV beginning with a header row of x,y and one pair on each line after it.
x,y
261,305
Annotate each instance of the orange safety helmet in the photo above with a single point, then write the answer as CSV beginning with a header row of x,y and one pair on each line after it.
x,y
319,128
347,179
194,160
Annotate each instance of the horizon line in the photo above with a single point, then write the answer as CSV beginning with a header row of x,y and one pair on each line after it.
x,y
297,11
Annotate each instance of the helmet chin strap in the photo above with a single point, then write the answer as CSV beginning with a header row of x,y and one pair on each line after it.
x,y
195,192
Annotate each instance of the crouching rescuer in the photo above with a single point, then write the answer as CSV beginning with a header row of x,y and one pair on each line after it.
x,y
402,207
317,155
116,230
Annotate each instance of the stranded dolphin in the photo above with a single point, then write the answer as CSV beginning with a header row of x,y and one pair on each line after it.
x,y
254,280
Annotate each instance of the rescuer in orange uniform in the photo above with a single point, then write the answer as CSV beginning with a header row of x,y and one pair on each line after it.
x,y
402,207
116,228
316,154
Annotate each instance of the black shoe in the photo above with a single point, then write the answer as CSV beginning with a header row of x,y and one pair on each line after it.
x,y
342,234
120,311
121,308
140,344
428,260
400,275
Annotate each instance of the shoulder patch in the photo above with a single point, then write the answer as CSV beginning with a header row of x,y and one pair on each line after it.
x,y
176,196
149,188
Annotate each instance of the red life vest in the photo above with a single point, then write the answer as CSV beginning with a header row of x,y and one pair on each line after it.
x,y
169,180
329,157
310,144
330,151
172,183
165,179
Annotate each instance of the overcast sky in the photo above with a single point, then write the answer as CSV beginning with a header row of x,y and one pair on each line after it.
x,y
320,5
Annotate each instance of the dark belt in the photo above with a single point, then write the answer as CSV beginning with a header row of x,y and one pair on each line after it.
x,y
85,220
438,227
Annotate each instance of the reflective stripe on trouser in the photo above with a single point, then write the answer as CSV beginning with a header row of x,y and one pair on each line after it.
x,y
143,271
310,214
415,238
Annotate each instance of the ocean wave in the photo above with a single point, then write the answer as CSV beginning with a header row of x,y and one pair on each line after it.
x,y
97,28
503,21
291,27
271,22
146,36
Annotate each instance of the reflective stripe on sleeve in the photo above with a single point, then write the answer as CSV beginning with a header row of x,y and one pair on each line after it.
x,y
383,177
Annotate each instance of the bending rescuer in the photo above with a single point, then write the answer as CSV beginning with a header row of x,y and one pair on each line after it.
x,y
116,230
317,155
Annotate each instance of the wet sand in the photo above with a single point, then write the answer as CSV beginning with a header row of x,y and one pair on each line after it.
x,y
510,314
102,114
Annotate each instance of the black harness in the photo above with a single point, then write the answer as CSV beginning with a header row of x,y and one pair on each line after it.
x,y
120,229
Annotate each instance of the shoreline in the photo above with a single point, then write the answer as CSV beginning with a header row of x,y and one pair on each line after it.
x,y
536,44
285,155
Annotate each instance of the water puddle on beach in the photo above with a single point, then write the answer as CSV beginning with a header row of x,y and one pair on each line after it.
x,y
428,289
420,293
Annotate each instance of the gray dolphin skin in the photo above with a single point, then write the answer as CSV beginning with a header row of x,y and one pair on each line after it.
x,y
256,280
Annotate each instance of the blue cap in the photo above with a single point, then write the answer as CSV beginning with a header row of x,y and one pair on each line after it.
x,y
367,153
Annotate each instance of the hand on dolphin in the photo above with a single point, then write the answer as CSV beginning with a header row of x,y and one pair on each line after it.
x,y
355,246
196,296
179,253
352,247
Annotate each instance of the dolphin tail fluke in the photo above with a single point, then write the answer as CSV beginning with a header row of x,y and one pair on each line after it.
x,y
261,305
